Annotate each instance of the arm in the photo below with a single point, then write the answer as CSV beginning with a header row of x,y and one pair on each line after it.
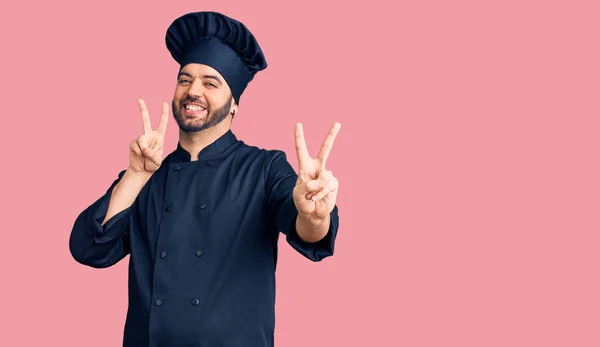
x,y
100,235
313,239
125,193
310,229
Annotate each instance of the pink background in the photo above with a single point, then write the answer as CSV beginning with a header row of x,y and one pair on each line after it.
x,y
467,160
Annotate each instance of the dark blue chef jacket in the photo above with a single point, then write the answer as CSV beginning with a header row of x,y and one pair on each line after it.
x,y
202,238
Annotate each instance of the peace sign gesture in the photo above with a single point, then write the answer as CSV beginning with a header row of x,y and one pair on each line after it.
x,y
145,152
316,189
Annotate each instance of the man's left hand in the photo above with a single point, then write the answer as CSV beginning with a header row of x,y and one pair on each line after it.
x,y
316,188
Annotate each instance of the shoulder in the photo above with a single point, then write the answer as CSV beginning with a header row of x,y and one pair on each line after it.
x,y
267,155
273,161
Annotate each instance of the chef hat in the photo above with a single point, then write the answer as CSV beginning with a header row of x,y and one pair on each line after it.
x,y
213,39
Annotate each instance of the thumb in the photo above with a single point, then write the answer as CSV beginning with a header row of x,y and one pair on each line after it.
x,y
155,158
143,143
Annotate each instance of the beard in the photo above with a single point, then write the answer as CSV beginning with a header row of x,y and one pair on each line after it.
x,y
212,117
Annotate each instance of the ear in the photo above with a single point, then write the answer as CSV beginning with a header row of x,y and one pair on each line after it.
x,y
233,107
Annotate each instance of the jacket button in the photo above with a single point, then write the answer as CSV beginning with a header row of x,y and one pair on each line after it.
x,y
176,168
202,206
169,208
195,302
159,302
199,253
163,254
210,163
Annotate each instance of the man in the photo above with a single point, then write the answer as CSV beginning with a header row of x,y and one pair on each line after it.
x,y
201,226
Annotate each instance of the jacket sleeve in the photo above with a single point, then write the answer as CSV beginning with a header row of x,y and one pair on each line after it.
x,y
100,246
280,182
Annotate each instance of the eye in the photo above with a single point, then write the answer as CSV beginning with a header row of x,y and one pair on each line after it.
x,y
211,85
184,81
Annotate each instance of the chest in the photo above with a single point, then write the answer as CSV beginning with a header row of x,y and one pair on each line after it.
x,y
214,204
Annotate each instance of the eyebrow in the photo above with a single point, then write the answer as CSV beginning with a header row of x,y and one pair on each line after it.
x,y
216,78
184,74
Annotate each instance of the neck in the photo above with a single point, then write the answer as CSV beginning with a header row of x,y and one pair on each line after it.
x,y
196,142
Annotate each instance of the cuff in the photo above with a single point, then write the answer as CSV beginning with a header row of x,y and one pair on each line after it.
x,y
114,227
315,251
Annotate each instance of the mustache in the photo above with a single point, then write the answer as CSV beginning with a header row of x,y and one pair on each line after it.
x,y
195,101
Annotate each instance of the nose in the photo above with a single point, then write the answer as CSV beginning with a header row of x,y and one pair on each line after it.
x,y
196,89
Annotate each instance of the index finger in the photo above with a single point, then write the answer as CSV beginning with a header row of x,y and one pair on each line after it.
x,y
162,125
328,142
301,149
145,116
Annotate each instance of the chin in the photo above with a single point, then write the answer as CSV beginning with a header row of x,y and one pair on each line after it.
x,y
193,126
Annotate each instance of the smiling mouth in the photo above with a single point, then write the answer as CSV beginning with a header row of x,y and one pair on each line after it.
x,y
193,109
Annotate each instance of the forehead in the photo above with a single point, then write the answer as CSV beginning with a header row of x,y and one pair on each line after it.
x,y
200,70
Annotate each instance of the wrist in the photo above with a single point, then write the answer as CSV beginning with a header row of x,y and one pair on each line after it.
x,y
132,180
313,220
311,229
136,175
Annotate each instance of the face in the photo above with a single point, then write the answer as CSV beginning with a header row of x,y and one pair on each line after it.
x,y
202,98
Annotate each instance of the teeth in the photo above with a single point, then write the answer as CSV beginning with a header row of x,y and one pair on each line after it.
x,y
193,107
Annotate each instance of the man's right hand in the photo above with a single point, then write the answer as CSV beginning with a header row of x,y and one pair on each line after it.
x,y
145,152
